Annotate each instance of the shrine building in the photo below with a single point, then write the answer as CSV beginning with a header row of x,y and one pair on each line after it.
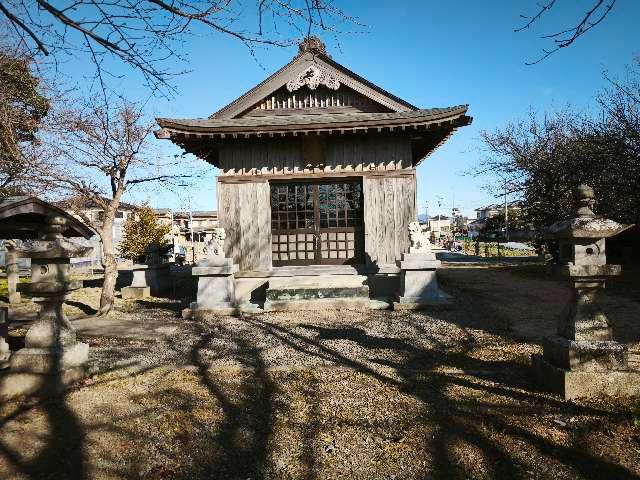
x,y
317,167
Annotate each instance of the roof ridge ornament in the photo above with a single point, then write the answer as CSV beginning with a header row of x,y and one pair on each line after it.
x,y
313,76
314,45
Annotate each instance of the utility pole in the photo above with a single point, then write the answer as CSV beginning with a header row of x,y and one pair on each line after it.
x,y
506,214
193,242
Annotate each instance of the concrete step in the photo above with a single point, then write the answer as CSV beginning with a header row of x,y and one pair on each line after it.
x,y
318,281
338,291
308,270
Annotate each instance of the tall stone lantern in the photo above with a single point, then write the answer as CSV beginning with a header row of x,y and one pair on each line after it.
x,y
583,359
52,357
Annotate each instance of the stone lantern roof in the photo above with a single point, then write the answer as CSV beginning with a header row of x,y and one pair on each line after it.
x,y
586,224
23,217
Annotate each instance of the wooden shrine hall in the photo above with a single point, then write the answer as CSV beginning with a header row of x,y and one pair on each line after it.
x,y
317,166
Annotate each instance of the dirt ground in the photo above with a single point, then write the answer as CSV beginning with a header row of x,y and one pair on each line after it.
x,y
444,393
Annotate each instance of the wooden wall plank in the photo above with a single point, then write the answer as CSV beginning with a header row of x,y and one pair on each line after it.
x,y
398,194
246,217
229,219
263,220
343,154
388,222
371,221
248,245
389,207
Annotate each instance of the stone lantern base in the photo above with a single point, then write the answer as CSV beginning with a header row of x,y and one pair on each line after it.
x,y
52,358
148,280
571,384
583,360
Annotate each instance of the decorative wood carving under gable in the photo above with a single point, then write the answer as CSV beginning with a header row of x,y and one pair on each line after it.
x,y
319,100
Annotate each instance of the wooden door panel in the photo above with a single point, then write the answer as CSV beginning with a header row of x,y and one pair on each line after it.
x,y
317,222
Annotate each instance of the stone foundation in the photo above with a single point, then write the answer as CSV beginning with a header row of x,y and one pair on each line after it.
x,y
216,288
135,293
585,384
16,384
317,292
588,356
419,282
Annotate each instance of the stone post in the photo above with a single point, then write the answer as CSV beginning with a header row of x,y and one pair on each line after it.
x,y
5,353
216,285
52,357
583,359
13,272
418,280
151,279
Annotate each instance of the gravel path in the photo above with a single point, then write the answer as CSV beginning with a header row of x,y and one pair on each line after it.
x,y
329,394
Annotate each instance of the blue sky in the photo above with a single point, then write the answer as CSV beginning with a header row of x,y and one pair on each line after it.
x,y
433,54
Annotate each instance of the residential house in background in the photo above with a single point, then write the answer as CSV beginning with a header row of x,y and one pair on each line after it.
x,y
440,227
484,213
95,214
459,222
496,209
190,231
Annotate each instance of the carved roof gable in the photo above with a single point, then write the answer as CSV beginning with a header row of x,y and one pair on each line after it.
x,y
310,70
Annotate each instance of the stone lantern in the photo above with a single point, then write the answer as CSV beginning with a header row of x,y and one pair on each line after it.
x,y
52,357
583,359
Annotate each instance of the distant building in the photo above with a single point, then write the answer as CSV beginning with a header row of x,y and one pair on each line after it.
x,y
459,223
513,209
94,214
496,209
439,226
190,231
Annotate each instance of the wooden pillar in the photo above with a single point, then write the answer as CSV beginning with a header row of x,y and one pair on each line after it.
x,y
13,277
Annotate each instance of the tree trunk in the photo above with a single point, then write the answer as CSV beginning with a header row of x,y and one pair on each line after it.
x,y
110,267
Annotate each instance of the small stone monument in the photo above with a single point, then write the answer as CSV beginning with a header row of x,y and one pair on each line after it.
x,y
139,287
52,357
216,288
583,360
150,279
418,280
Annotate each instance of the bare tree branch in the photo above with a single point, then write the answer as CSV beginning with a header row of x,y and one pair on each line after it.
x,y
567,37
149,35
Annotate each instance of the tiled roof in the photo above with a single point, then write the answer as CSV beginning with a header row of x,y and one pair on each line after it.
x,y
288,121
498,206
89,203
197,213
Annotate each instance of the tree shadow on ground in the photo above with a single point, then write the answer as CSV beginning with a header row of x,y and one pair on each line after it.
x,y
457,419
83,307
239,447
486,403
61,449
174,307
63,455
